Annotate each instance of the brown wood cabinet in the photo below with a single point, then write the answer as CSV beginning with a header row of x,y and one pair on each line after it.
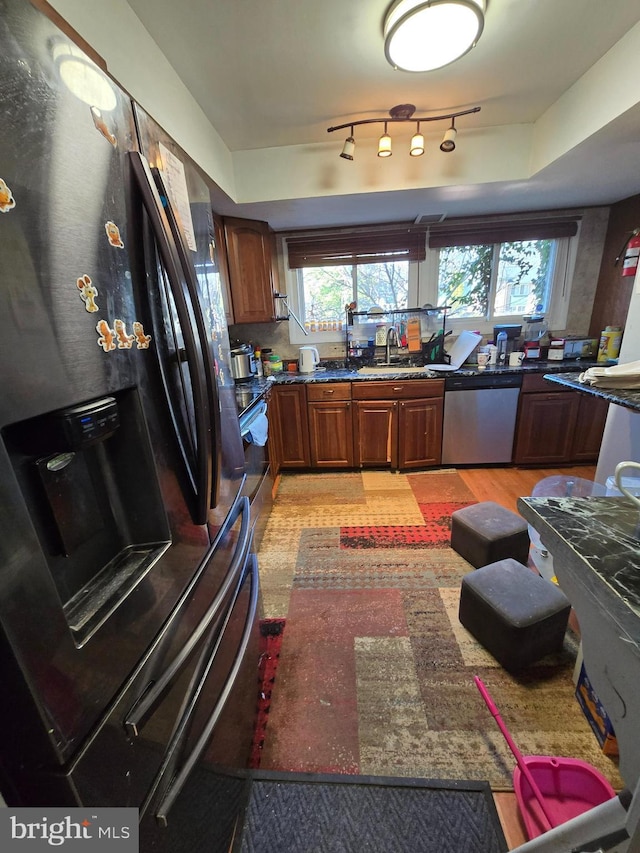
x,y
557,427
249,245
289,427
398,424
420,432
330,425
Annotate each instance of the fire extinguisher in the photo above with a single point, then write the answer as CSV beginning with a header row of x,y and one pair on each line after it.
x,y
631,252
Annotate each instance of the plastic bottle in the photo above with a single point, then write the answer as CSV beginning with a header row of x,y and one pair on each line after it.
x,y
275,363
257,354
610,340
501,343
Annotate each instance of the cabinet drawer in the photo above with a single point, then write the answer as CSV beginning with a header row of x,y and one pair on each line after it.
x,y
535,382
399,390
327,392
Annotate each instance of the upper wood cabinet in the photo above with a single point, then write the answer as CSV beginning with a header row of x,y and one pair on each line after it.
x,y
250,259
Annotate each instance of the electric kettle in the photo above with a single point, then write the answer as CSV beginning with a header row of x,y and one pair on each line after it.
x,y
308,360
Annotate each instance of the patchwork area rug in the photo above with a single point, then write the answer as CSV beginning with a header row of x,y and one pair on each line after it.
x,y
375,674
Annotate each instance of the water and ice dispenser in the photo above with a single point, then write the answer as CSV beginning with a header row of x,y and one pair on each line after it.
x,y
90,485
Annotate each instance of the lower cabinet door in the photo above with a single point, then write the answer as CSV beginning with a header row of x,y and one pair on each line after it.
x,y
420,433
376,432
331,434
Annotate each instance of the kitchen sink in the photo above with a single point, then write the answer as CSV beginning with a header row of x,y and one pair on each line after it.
x,y
392,368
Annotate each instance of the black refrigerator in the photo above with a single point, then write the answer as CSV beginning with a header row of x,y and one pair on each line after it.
x,y
128,586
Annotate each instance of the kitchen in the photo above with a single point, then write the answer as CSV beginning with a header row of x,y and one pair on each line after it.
x,y
246,180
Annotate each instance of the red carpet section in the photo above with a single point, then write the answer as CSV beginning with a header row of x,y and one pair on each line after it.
x,y
436,531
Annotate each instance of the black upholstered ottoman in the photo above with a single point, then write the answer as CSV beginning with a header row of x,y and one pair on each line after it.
x,y
517,616
486,532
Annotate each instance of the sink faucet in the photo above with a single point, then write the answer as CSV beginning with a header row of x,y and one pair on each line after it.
x,y
391,333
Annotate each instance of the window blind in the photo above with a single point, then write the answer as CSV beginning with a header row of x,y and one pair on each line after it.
x,y
399,243
482,232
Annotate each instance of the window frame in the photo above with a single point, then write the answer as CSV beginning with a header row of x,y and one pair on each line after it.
x,y
423,290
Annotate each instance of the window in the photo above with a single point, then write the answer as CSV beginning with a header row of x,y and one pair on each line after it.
x,y
496,280
487,270
325,291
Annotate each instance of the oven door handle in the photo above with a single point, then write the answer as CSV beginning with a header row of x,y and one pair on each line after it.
x,y
153,694
179,779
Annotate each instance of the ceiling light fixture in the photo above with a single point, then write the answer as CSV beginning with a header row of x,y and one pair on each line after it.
x,y
421,35
403,113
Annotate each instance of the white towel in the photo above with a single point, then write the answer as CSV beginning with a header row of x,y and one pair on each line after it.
x,y
617,376
258,432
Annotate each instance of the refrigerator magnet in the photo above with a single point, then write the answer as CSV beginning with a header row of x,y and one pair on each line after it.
x,y
125,341
142,340
113,234
7,201
102,127
106,336
88,293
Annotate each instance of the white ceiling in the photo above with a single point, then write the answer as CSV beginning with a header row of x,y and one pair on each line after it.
x,y
270,73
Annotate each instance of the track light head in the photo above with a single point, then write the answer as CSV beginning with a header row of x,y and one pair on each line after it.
x,y
417,143
384,144
348,148
448,143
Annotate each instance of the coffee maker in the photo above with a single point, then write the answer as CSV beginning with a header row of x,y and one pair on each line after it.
x,y
509,344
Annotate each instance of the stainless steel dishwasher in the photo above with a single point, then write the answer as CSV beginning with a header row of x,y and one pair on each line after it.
x,y
479,418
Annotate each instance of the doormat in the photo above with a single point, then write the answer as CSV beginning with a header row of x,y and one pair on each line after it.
x,y
271,631
288,812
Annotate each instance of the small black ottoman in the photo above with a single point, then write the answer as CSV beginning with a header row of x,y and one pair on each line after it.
x,y
517,616
486,532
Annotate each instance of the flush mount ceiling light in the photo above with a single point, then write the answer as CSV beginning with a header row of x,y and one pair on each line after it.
x,y
421,35
402,113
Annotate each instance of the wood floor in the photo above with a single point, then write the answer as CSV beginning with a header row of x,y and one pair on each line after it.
x,y
505,486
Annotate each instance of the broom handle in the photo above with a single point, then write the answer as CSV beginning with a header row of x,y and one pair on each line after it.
x,y
514,749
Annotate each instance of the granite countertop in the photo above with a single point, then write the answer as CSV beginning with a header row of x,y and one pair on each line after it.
x,y
628,399
595,543
345,374
598,539
248,392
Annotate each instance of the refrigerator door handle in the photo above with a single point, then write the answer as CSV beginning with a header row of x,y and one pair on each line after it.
x,y
202,476
209,364
179,779
152,696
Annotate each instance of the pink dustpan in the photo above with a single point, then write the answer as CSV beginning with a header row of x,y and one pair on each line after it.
x,y
549,790
569,787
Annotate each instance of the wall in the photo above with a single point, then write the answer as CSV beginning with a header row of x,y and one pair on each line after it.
x,y
613,292
592,238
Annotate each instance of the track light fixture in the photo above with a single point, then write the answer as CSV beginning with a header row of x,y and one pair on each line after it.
x,y
403,113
